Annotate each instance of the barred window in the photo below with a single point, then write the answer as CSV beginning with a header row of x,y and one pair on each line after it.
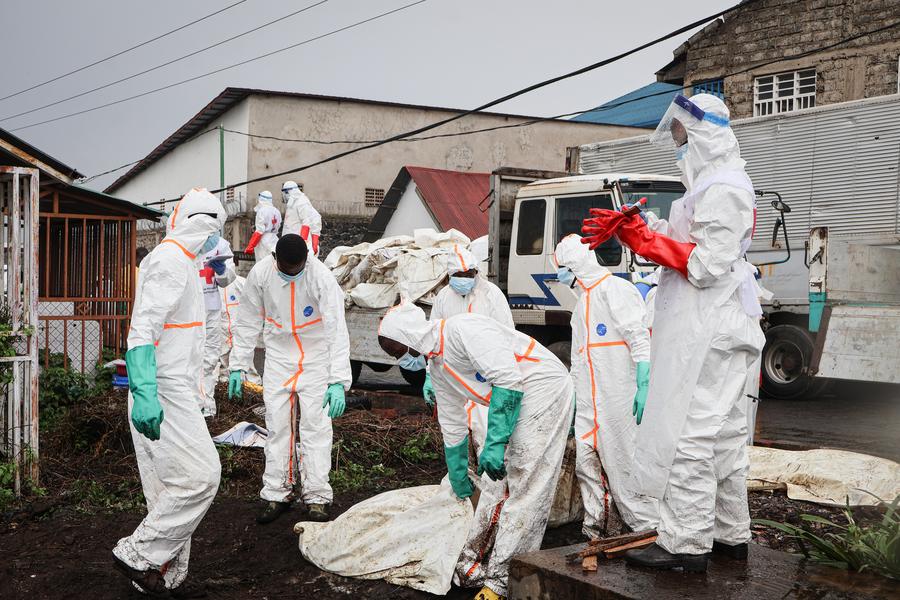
x,y
716,87
374,196
784,92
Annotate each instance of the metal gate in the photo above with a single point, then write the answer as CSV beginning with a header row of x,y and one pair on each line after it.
x,y
19,321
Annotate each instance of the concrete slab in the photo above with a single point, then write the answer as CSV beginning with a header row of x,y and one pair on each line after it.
x,y
768,573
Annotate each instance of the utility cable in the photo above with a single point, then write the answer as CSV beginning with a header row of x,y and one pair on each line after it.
x,y
232,66
165,64
121,52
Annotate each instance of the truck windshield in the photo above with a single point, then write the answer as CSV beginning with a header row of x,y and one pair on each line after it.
x,y
572,210
659,194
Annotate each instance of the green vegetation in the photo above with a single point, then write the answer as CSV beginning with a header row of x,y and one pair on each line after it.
x,y
419,448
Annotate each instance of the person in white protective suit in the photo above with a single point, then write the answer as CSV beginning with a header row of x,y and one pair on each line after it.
x,y
231,299
216,274
691,448
298,305
268,222
468,292
300,216
177,460
529,394
611,371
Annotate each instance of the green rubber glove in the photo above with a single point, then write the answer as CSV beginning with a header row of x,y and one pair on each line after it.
x,y
457,458
428,391
503,414
235,385
146,413
643,386
334,400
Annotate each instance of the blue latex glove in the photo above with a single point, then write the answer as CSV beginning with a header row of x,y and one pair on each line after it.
x,y
146,413
503,414
334,400
428,391
218,266
235,385
457,458
643,386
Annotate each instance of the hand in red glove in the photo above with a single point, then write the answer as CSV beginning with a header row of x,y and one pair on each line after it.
x,y
602,226
254,240
659,248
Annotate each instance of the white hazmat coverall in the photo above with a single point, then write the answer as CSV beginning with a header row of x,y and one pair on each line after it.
x,y
307,348
691,447
484,299
231,299
213,285
268,222
609,337
470,353
180,471
301,217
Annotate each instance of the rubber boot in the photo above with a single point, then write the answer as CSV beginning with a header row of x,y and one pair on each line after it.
x,y
736,551
655,557
272,511
318,512
149,582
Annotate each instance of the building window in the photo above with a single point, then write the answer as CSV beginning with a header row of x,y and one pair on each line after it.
x,y
716,87
374,197
784,92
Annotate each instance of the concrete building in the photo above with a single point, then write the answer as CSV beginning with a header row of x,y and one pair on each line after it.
x,y
741,57
267,132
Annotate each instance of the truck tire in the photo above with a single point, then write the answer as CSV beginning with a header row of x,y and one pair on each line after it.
x,y
562,351
414,378
786,358
355,370
379,367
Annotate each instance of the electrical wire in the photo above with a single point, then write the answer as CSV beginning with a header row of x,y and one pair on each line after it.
x,y
165,64
121,52
232,66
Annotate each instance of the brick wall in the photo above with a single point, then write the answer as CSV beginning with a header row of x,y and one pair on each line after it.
x,y
766,30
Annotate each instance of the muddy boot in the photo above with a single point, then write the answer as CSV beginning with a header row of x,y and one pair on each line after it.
x,y
737,551
487,593
318,512
655,557
149,582
189,589
272,511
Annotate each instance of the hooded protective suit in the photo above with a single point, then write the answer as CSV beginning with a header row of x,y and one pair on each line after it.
x,y
268,222
213,284
179,471
301,217
231,299
692,444
484,299
307,348
473,357
609,338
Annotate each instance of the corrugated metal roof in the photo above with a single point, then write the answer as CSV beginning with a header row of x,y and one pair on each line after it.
x,y
43,157
639,111
456,199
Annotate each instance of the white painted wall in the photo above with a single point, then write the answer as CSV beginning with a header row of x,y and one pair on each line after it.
x,y
195,163
411,214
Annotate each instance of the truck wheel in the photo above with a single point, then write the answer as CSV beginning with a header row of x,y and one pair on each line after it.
x,y
355,370
379,367
786,358
414,378
562,351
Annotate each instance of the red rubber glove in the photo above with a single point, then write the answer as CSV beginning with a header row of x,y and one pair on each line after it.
x,y
254,240
603,225
659,248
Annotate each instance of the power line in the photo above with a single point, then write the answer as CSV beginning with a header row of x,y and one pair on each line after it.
x,y
165,64
232,66
121,52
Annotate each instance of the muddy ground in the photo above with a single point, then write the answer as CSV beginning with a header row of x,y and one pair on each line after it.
x,y
57,544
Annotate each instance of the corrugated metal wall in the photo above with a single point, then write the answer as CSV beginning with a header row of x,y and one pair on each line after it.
x,y
836,166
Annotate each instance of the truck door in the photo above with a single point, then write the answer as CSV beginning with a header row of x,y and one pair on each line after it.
x,y
528,255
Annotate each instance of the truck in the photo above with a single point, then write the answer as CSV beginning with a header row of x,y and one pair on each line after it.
x,y
827,239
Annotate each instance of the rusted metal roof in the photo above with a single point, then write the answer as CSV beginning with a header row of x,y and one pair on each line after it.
x,y
18,150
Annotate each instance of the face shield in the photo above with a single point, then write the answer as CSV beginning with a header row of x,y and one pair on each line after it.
x,y
682,116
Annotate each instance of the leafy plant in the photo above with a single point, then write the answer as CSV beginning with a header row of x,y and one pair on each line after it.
x,y
7,480
419,448
353,477
875,548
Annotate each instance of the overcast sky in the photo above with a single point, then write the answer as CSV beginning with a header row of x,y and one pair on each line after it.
x,y
456,53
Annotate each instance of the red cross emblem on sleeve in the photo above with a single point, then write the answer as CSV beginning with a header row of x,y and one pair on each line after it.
x,y
208,274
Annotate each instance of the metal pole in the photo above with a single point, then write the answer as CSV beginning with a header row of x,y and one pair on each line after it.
x,y
222,163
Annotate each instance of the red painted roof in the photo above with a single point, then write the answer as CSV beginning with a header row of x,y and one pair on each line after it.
x,y
456,199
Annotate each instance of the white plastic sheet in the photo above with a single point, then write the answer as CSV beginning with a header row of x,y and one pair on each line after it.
x,y
827,476
410,537
245,435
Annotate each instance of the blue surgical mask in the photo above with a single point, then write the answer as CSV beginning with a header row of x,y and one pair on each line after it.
x,y
210,244
411,363
462,285
289,278
565,276
681,152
